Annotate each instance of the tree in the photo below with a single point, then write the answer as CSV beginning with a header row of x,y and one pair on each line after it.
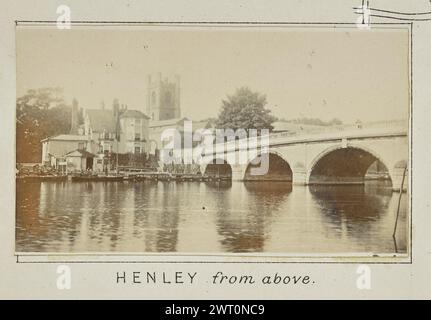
x,y
245,109
40,114
43,98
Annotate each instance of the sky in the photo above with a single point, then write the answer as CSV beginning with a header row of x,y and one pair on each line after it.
x,y
324,73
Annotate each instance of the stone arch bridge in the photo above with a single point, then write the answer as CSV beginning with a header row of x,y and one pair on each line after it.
x,y
337,155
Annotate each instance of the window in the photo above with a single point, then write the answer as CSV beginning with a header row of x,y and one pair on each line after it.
x,y
81,146
106,147
137,136
137,149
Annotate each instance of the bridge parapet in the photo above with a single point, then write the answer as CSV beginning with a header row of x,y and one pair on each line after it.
x,y
391,124
395,129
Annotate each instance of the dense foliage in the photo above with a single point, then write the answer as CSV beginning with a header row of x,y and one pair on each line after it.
x,y
245,109
40,114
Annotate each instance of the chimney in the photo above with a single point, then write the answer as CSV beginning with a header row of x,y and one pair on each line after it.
x,y
74,122
116,107
148,94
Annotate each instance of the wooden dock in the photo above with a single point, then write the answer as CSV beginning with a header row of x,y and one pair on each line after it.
x,y
147,176
162,176
95,178
36,178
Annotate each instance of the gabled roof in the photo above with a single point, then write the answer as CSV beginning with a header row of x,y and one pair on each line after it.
x,y
102,120
202,124
165,123
67,137
80,153
133,114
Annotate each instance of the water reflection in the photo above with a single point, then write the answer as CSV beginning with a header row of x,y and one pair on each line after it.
x,y
218,184
359,212
243,224
207,217
351,202
244,227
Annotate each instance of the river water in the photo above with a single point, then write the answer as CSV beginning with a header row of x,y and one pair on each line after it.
x,y
193,217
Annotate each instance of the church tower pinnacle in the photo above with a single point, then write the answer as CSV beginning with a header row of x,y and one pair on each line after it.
x,y
163,98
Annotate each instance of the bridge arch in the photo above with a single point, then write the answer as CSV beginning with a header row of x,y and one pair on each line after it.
x,y
217,167
279,169
338,165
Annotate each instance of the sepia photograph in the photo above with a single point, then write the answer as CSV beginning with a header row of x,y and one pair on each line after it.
x,y
218,139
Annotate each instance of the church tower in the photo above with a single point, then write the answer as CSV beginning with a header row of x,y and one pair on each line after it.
x,y
163,98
